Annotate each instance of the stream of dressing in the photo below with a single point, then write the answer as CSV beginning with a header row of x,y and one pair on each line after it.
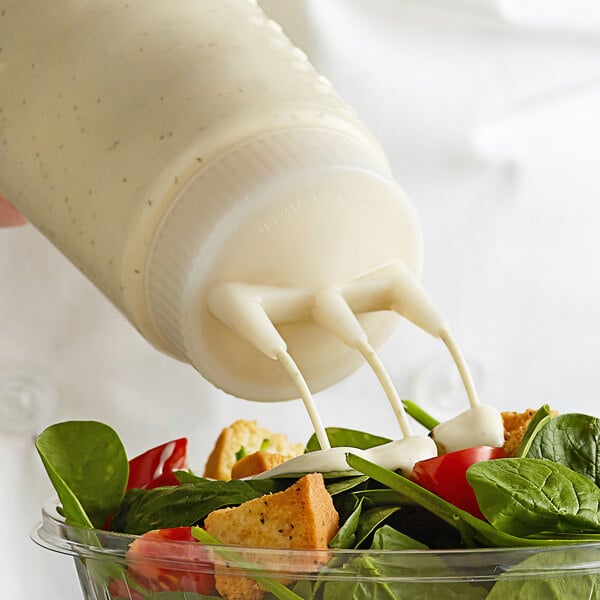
x,y
400,454
246,310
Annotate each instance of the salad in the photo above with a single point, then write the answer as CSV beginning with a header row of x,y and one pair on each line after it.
x,y
545,495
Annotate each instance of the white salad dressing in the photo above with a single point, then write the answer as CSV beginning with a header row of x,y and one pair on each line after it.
x,y
290,366
255,311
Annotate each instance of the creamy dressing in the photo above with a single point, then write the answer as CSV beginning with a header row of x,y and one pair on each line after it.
x,y
254,312
389,388
478,426
292,370
396,455
331,310
461,365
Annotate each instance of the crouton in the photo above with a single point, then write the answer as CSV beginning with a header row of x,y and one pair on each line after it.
x,y
256,463
250,436
515,425
302,516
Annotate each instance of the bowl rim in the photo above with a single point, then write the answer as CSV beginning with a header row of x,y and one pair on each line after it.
x,y
464,564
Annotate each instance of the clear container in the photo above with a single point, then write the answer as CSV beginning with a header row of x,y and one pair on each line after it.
x,y
568,572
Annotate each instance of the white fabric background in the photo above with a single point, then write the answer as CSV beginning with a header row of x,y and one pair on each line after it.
x,y
489,112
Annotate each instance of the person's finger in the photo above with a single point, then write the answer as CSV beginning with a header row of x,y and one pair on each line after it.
x,y
9,216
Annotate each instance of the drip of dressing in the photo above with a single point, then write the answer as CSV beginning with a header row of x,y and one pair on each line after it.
x,y
254,311
331,311
394,288
388,386
287,362
461,365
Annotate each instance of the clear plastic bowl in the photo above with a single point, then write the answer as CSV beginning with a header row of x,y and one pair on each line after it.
x,y
566,572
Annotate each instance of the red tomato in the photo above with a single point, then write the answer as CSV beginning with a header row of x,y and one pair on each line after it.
x,y
154,468
189,558
446,475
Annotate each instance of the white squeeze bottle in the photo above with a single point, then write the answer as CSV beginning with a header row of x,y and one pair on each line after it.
x,y
187,158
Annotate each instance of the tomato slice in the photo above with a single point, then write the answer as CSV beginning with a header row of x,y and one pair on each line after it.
x,y
446,475
177,545
154,468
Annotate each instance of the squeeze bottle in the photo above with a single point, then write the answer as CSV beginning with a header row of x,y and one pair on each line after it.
x,y
173,147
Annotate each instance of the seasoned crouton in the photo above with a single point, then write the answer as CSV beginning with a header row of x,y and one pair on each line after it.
x,y
250,436
256,463
515,425
302,516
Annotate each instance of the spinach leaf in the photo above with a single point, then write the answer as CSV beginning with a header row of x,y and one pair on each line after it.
x,y
478,530
370,520
374,576
357,523
346,534
539,420
382,497
360,583
572,440
342,486
564,584
419,415
185,504
71,508
339,436
387,538
529,496
88,467
188,477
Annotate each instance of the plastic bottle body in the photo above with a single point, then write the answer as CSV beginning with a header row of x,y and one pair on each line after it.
x,y
118,117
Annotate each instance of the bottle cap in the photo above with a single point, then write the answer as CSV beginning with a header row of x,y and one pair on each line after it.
x,y
297,210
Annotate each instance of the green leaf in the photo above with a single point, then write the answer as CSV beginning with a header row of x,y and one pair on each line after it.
x,y
186,504
573,440
88,467
342,486
382,497
339,437
305,589
539,420
361,582
552,582
189,477
370,520
419,415
346,534
479,530
372,578
387,538
71,508
530,496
